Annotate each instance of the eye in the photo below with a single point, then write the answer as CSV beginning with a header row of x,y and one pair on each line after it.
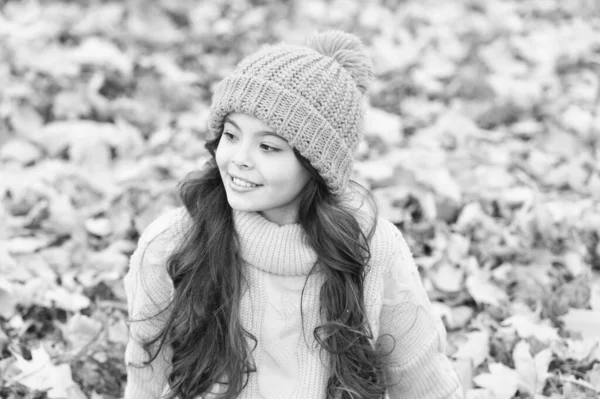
x,y
228,135
268,148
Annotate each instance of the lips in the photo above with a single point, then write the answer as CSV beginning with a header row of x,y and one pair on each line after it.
x,y
245,180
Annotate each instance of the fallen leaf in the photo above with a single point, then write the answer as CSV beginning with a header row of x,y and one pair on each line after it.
x,y
531,326
583,321
80,330
40,374
66,300
458,247
464,369
25,118
384,125
579,350
480,394
447,277
386,56
118,332
532,371
8,302
577,119
376,172
475,348
455,317
7,263
501,380
441,182
100,52
574,262
482,290
593,376
577,388
27,245
594,285
100,18
98,226
20,151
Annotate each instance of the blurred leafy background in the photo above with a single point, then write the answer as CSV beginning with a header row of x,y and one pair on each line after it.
x,y
481,144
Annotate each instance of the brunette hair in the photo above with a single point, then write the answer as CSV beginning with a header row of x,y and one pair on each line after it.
x,y
203,326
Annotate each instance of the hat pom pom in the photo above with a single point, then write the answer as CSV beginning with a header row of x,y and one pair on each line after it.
x,y
348,51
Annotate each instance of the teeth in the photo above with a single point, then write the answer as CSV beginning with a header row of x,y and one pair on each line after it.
x,y
243,183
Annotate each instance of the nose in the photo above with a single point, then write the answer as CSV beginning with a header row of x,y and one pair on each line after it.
x,y
242,157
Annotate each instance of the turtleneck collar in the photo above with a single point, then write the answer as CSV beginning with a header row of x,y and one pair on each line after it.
x,y
275,249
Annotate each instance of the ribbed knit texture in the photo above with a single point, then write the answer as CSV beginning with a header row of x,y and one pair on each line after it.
x,y
311,99
277,261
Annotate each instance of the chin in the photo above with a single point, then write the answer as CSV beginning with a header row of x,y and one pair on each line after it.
x,y
243,208
240,205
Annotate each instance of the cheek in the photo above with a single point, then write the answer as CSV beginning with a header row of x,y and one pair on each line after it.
x,y
221,157
301,179
290,179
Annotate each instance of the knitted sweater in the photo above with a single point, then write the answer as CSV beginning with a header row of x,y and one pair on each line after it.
x,y
277,262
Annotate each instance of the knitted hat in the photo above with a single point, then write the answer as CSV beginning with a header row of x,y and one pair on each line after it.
x,y
311,95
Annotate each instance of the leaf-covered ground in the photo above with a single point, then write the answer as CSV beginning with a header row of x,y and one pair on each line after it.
x,y
482,144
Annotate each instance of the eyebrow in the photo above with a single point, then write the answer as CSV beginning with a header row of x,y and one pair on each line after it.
x,y
261,133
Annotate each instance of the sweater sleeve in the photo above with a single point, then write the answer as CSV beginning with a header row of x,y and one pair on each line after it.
x,y
149,289
412,336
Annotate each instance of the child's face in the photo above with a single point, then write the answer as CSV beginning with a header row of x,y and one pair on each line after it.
x,y
272,177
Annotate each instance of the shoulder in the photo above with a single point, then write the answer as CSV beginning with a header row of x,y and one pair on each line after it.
x,y
147,265
387,241
388,246
148,284
168,226
387,236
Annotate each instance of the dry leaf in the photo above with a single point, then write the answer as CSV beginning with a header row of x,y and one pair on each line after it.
x,y
476,348
577,119
377,173
98,226
593,377
501,380
384,125
484,291
80,330
531,326
8,302
500,135
98,52
40,374
27,245
118,332
64,299
20,151
583,321
480,394
579,350
532,371
447,277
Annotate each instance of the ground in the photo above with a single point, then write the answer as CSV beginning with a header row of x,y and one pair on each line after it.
x,y
481,145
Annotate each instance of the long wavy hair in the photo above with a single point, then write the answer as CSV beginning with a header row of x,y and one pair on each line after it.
x,y
203,326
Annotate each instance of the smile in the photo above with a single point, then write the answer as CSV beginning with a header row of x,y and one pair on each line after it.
x,y
242,183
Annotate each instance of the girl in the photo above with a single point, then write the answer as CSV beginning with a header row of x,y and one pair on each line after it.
x,y
273,281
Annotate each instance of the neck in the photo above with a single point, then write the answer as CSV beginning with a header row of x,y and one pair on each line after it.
x,y
277,249
280,218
